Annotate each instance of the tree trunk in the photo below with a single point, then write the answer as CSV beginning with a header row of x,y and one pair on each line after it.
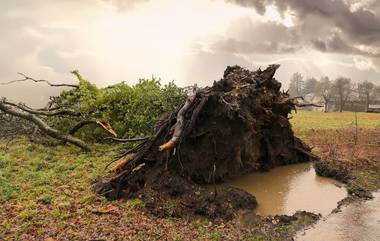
x,y
326,104
341,104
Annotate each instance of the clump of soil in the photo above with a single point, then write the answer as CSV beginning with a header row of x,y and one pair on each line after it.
x,y
278,227
237,126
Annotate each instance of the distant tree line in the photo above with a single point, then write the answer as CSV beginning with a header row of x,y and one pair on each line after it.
x,y
335,93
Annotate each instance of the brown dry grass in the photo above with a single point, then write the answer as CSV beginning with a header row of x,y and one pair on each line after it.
x,y
352,152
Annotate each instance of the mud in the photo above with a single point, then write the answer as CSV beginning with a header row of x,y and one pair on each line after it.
x,y
168,195
278,227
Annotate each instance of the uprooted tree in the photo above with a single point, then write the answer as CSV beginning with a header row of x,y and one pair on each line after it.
x,y
239,125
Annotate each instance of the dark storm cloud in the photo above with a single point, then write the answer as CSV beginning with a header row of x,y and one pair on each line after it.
x,y
248,37
334,44
330,26
361,24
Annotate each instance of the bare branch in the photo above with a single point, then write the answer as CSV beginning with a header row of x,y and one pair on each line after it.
x,y
105,125
306,105
43,126
57,112
127,140
26,78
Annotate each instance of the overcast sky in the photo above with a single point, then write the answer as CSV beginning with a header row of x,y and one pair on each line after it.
x,y
187,41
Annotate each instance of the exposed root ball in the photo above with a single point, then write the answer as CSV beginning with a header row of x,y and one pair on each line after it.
x,y
238,125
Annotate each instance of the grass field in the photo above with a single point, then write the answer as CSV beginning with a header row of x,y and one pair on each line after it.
x,y
306,120
46,192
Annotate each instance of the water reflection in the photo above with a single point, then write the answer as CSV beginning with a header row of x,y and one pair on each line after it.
x,y
286,189
358,221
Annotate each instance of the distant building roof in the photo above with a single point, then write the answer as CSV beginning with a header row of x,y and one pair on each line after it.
x,y
377,106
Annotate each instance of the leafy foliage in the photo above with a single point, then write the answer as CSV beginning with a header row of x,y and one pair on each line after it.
x,y
132,110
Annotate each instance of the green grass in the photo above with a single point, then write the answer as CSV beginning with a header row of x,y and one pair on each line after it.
x,y
307,120
34,177
215,236
135,204
29,171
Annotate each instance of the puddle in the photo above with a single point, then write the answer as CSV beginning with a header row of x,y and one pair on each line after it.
x,y
358,221
286,189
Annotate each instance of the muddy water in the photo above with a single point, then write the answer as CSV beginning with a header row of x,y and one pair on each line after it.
x,y
284,190
358,221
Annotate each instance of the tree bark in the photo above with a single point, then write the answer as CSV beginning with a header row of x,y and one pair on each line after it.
x,y
179,126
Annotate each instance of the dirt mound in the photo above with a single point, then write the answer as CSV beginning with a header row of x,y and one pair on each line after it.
x,y
242,127
238,125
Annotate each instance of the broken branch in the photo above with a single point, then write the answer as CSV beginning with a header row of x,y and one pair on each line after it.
x,y
25,108
26,78
306,105
44,127
127,140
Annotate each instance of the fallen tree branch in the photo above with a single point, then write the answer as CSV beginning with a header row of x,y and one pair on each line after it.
x,y
105,125
44,127
306,105
127,140
26,78
57,112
